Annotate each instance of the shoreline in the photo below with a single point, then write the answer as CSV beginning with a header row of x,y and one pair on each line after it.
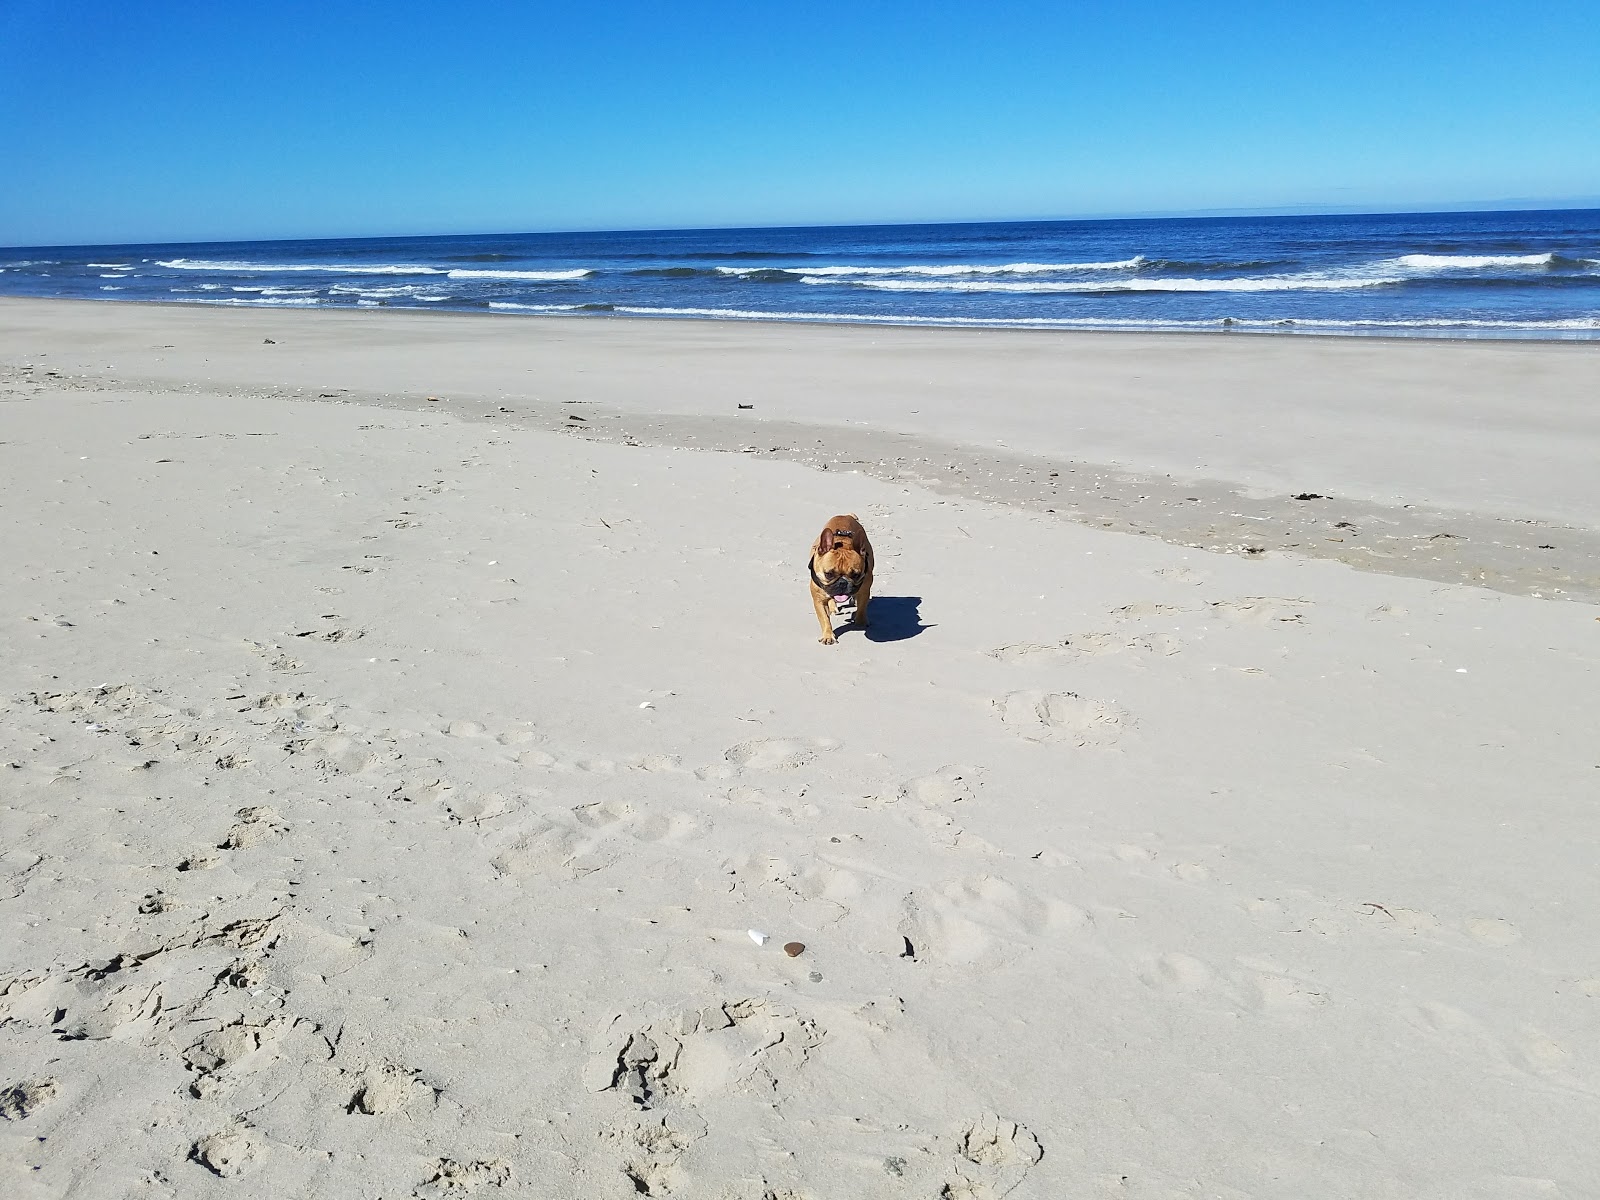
x,y
1577,338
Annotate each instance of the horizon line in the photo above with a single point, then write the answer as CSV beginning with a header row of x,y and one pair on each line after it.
x,y
1508,205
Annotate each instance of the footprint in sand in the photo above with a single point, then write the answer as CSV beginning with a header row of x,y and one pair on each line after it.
x,y
1037,716
228,1154
217,1057
621,817
21,1100
475,810
338,753
252,826
947,785
391,1088
992,1156
1177,973
551,850
650,1151
980,918
748,1046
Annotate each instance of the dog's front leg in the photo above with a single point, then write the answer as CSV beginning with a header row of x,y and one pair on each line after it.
x,y
819,600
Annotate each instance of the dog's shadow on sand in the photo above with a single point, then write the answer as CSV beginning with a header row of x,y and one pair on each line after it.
x,y
894,618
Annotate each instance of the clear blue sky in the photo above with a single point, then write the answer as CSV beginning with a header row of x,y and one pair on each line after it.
x,y
140,120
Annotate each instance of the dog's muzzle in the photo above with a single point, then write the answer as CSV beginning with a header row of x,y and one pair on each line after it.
x,y
843,588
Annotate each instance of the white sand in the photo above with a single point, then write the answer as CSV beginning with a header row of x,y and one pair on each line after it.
x,y
390,793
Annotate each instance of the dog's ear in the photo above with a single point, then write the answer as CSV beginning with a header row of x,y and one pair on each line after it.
x,y
824,541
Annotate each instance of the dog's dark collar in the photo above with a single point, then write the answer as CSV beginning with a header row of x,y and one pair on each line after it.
x,y
811,565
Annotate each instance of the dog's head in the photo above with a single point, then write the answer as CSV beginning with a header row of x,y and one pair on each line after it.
x,y
838,562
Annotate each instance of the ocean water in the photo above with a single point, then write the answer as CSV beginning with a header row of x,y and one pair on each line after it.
x,y
1484,274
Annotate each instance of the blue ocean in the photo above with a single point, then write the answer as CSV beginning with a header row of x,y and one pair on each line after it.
x,y
1480,274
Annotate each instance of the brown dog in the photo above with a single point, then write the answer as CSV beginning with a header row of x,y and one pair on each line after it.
x,y
841,574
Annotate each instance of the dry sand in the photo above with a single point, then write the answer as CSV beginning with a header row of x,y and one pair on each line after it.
x,y
388,787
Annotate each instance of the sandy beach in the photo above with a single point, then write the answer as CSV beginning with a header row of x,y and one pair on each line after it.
x,y
416,755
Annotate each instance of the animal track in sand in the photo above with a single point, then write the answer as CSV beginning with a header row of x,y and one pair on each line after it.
x,y
387,1088
1088,645
1037,716
1140,609
452,1178
645,827
1186,870
992,1157
650,1152
780,804
337,752
331,635
475,810
1261,610
947,785
776,754
21,1100
252,826
227,1154
1176,574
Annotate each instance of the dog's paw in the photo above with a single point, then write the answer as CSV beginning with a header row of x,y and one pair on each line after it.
x,y
827,639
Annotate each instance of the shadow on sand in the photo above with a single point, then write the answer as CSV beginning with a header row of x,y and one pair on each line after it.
x,y
895,618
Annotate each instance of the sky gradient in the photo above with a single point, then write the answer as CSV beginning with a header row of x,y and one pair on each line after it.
x,y
187,121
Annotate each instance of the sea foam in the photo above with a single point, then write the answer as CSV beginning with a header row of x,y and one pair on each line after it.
x,y
1473,262
1021,268
549,276
1269,283
195,264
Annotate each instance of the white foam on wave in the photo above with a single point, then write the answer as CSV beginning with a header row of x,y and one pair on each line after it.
x,y
109,266
267,291
920,269
115,274
261,302
1266,283
405,290
508,306
1472,262
545,276
198,264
